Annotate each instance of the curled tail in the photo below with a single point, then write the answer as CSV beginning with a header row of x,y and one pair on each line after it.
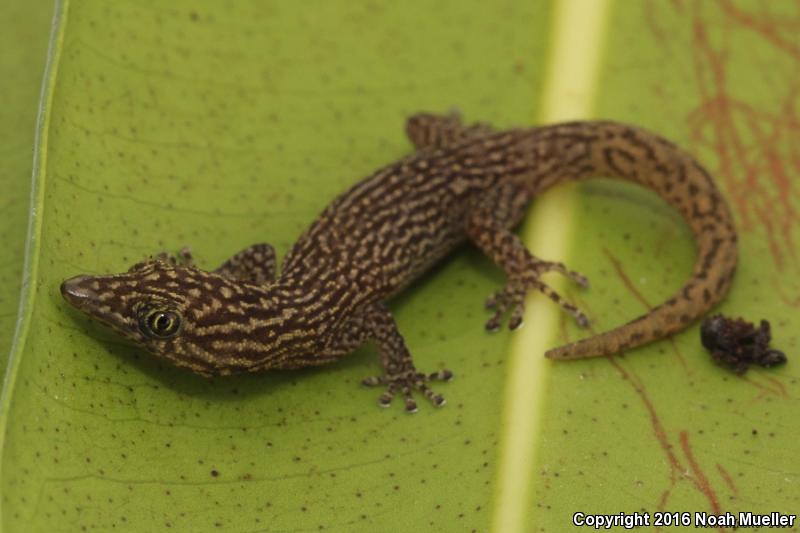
x,y
632,154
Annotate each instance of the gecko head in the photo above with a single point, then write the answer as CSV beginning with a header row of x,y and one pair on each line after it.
x,y
155,305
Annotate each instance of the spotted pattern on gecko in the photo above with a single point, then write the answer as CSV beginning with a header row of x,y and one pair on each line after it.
x,y
463,183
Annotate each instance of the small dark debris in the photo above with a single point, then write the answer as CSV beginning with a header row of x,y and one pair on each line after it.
x,y
736,343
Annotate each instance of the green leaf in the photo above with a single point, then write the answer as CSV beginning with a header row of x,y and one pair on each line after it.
x,y
664,428
217,126
23,43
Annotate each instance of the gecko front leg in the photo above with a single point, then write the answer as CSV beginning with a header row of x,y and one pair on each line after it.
x,y
426,130
255,264
182,258
487,226
400,375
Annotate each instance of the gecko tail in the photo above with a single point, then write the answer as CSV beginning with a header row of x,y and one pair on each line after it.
x,y
670,317
644,158
702,292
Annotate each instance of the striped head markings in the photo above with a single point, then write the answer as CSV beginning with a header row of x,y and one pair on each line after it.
x,y
195,319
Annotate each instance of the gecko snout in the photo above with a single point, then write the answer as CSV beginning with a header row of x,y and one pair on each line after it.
x,y
77,292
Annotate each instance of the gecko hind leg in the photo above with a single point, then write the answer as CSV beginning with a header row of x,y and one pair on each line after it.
x,y
487,226
400,375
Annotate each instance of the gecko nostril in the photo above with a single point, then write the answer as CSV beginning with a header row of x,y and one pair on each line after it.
x,y
75,291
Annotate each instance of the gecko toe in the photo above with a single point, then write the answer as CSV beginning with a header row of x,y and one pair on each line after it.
x,y
185,256
512,296
405,383
411,405
182,258
441,375
372,381
386,399
515,322
539,267
579,278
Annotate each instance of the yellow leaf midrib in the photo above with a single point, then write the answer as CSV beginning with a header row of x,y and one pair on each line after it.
x,y
575,50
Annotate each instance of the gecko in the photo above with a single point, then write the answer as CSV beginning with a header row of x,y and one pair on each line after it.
x,y
463,182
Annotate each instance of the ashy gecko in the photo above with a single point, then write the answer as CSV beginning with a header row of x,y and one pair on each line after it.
x,y
463,183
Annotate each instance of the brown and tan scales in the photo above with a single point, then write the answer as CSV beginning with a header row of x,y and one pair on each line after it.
x,y
463,183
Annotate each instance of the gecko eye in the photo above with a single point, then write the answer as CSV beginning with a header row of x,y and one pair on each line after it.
x,y
161,324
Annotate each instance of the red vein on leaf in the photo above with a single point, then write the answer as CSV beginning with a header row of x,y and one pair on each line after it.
x,y
750,140
698,476
726,477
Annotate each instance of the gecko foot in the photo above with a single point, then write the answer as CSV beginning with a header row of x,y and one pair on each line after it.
x,y
406,381
182,258
511,298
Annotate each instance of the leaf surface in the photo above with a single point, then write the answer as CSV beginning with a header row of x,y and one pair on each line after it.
x,y
217,126
23,45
